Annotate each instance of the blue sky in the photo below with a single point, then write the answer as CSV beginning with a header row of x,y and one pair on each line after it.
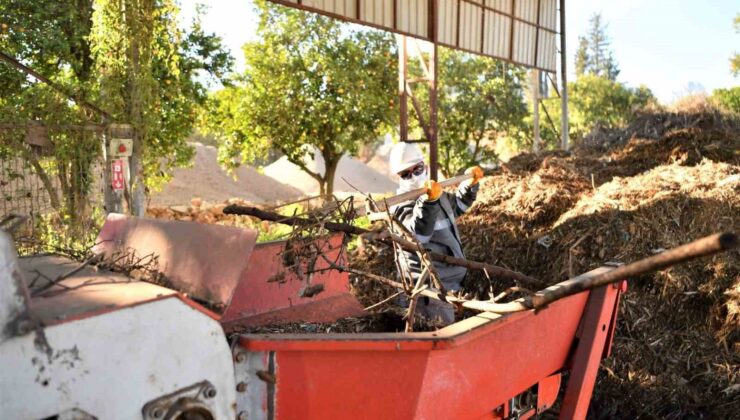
x,y
666,45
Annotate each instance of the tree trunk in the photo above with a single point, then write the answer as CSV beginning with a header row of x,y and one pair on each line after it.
x,y
45,180
331,170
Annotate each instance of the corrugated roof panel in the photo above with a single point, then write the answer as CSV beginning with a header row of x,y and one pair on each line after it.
x,y
470,23
549,14
413,17
527,10
524,40
501,5
447,22
481,26
377,12
498,32
546,52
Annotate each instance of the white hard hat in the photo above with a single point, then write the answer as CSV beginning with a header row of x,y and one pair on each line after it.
x,y
404,156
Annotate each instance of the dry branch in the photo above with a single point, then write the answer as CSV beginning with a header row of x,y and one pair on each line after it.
x,y
383,237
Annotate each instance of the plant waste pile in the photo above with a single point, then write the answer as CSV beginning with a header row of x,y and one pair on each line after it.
x,y
664,181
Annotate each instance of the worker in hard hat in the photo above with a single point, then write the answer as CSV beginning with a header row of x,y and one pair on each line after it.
x,y
431,218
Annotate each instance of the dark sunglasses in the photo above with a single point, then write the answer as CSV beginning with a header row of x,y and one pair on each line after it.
x,y
415,171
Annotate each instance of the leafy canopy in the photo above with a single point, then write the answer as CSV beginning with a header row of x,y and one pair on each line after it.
x,y
310,82
479,100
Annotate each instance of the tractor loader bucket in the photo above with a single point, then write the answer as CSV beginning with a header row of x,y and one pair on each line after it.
x,y
223,267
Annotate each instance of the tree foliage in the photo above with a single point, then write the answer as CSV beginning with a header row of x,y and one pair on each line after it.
x,y
130,57
595,101
594,55
310,83
727,99
149,73
479,100
51,38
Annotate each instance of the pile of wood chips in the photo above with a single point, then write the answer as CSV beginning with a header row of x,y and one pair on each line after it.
x,y
677,349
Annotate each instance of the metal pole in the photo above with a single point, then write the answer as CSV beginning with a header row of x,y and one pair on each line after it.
x,y
403,96
536,144
433,158
564,77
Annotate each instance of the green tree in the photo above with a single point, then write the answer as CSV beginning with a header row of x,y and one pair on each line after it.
x,y
87,47
310,82
479,100
727,99
595,101
594,55
150,74
52,39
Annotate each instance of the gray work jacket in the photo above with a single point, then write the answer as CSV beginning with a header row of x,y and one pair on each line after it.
x,y
433,224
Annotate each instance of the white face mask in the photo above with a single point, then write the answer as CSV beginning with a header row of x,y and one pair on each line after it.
x,y
414,183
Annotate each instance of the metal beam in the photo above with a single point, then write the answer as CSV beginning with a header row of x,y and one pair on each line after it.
x,y
564,78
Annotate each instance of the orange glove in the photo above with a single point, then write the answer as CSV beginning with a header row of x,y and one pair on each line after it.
x,y
434,190
477,173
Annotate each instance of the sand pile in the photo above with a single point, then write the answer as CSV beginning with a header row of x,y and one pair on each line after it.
x,y
206,180
355,172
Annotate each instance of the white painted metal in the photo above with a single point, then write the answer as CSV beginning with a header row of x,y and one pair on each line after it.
x,y
251,402
111,364
478,26
13,297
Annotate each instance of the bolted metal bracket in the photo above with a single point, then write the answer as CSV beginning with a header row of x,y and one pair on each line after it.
x,y
195,400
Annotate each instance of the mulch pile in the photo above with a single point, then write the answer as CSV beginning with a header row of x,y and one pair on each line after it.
x,y
664,181
203,212
677,349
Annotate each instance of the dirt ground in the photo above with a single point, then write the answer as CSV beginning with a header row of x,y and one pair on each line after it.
x,y
207,181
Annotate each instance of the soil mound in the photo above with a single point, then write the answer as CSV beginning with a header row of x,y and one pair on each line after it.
x,y
360,175
206,180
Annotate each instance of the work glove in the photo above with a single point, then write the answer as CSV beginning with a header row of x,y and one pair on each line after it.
x,y
434,190
477,173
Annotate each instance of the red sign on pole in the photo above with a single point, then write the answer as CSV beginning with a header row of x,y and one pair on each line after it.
x,y
117,175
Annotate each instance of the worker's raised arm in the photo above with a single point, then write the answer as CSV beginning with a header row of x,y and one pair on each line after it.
x,y
467,192
420,216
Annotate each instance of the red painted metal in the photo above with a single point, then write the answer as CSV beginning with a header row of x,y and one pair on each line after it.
x,y
547,392
466,370
223,266
259,301
597,324
203,261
